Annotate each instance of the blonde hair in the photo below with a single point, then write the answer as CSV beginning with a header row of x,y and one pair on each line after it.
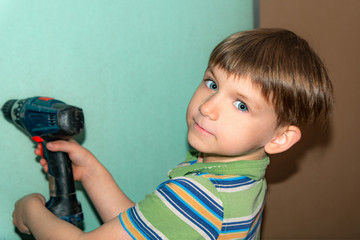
x,y
288,71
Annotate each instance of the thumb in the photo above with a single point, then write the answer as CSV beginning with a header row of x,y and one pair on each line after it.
x,y
62,146
76,152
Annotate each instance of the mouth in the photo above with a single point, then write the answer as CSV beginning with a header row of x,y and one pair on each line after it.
x,y
201,129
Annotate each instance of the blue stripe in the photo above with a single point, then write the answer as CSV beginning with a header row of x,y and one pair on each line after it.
x,y
234,180
124,225
220,176
141,226
231,183
187,208
130,217
135,222
241,226
237,226
255,229
183,164
193,162
201,196
188,213
234,186
196,192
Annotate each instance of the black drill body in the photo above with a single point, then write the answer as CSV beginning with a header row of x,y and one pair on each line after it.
x,y
46,120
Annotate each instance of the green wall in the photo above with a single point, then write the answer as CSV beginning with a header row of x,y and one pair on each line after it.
x,y
131,65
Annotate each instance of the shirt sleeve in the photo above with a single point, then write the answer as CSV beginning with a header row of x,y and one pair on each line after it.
x,y
181,208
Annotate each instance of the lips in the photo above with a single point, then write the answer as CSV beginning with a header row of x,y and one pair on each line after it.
x,y
202,129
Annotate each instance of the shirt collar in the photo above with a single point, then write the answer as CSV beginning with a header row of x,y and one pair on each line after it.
x,y
254,169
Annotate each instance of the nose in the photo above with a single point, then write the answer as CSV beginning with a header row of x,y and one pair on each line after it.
x,y
210,108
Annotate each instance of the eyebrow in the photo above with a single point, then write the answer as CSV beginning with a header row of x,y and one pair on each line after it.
x,y
249,101
209,69
246,98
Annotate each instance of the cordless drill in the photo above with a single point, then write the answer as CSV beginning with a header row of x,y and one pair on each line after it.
x,y
45,120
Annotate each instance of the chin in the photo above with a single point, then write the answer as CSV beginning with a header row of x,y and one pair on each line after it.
x,y
195,145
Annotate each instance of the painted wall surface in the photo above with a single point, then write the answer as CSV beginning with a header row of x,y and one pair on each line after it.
x,y
314,188
131,65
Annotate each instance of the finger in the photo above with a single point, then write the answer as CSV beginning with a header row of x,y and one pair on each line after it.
x,y
37,150
74,149
44,164
21,227
63,146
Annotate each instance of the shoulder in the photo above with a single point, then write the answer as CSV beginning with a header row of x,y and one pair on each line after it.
x,y
182,208
231,183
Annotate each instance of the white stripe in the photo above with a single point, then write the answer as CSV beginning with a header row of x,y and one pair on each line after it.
x,y
181,216
239,189
184,164
148,224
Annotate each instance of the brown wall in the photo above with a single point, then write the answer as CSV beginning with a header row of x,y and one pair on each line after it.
x,y
314,189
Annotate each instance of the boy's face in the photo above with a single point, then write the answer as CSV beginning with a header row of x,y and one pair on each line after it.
x,y
228,118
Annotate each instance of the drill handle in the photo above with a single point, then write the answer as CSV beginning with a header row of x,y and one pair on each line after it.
x,y
63,202
61,180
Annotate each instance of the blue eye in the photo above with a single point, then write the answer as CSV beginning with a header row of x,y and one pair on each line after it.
x,y
211,84
241,106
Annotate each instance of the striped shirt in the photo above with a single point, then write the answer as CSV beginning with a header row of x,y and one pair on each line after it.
x,y
202,201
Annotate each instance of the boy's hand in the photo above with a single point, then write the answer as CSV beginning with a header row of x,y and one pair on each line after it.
x,y
31,217
100,186
81,158
21,210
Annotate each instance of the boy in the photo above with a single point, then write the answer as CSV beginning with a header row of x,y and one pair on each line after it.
x,y
259,89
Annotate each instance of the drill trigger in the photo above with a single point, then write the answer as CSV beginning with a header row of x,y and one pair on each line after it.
x,y
41,141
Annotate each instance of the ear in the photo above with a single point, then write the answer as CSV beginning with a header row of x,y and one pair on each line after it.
x,y
285,139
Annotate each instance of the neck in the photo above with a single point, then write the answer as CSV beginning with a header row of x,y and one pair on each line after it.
x,y
209,158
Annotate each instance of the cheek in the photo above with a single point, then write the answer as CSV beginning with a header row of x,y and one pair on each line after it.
x,y
189,110
190,113
193,105
244,134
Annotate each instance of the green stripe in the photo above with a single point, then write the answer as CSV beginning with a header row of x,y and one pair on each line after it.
x,y
156,212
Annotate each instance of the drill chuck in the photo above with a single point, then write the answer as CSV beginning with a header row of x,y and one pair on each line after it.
x,y
6,109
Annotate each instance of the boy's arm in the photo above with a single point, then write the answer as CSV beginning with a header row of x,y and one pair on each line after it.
x,y
107,197
31,216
